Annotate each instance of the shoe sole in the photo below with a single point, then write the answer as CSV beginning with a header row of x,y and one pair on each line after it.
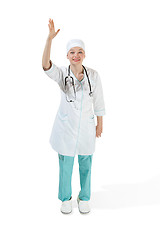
x,y
84,212
66,212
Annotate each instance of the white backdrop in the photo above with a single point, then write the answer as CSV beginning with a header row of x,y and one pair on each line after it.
x,y
122,43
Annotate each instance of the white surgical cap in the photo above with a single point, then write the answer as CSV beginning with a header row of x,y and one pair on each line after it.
x,y
75,43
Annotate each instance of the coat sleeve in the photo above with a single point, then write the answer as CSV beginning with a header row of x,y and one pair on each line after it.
x,y
98,99
56,74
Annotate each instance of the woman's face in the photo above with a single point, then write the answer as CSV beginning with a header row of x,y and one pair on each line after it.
x,y
76,55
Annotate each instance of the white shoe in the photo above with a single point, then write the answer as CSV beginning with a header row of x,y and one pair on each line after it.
x,y
66,206
83,206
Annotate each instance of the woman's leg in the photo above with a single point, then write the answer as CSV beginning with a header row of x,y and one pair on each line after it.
x,y
85,163
65,177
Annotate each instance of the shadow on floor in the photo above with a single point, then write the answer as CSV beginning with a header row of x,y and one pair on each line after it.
x,y
126,195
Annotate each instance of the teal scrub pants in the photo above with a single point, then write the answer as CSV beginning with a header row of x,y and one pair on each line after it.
x,y
65,176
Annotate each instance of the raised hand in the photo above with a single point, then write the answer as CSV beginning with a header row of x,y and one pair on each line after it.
x,y
52,32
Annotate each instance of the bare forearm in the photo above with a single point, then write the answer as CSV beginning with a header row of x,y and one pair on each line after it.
x,y
99,127
46,53
99,120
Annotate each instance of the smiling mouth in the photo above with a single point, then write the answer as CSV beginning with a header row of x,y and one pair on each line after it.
x,y
76,60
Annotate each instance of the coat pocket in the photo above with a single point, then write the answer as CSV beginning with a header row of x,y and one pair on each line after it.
x,y
91,127
63,117
91,118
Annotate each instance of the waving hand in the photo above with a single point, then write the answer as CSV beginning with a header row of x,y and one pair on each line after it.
x,y
52,32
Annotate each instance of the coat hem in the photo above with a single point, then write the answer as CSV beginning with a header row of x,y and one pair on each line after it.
x,y
69,154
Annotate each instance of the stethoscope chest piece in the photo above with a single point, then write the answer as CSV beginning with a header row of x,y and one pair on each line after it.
x,y
91,94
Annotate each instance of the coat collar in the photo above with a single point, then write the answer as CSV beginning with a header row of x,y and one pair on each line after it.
x,y
76,78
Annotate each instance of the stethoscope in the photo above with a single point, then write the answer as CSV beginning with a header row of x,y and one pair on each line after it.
x,y
70,78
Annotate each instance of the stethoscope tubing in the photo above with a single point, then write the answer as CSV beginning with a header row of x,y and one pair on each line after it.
x,y
90,93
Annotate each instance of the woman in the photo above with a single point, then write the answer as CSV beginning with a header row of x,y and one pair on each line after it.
x,y
74,131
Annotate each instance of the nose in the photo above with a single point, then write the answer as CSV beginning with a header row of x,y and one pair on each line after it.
x,y
75,54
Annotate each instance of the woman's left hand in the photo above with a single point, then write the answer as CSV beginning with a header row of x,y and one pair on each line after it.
x,y
98,130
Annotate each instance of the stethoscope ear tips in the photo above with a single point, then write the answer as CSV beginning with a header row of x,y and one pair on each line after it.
x,y
91,94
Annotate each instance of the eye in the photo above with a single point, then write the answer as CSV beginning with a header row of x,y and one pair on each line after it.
x,y
72,52
80,52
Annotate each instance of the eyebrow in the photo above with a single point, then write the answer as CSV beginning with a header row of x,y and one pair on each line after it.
x,y
73,49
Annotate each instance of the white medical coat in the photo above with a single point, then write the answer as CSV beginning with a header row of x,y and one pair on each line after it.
x,y
74,130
